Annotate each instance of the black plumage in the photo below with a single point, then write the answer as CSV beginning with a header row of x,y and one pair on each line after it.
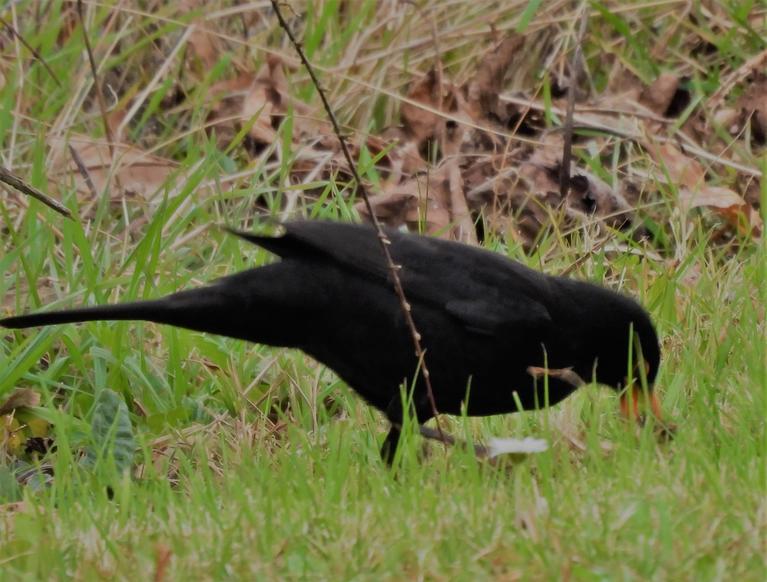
x,y
484,320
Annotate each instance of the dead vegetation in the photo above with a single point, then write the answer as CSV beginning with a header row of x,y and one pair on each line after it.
x,y
465,138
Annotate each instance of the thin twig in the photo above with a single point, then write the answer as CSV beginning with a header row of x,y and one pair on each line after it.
x,y
584,257
31,49
382,238
97,85
567,147
7,178
83,171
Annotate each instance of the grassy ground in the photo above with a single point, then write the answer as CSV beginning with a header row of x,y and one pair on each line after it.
x,y
257,463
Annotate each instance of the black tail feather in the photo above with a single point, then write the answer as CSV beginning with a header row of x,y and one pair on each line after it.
x,y
212,309
248,306
140,310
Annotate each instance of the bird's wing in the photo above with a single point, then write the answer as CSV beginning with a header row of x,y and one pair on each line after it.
x,y
351,245
492,319
486,292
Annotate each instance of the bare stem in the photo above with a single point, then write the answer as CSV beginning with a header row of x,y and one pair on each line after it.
x,y
97,84
382,238
31,49
575,67
7,178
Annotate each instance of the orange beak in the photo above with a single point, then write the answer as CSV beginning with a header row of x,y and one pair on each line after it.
x,y
630,404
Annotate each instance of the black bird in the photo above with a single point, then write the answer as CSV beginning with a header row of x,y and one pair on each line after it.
x,y
485,320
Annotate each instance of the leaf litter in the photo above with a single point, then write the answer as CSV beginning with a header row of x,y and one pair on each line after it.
x,y
469,156
465,154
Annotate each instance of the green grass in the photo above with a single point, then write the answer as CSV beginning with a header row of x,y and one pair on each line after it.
x,y
258,463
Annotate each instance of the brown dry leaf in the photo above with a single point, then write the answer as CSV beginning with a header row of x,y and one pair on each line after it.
x,y
682,170
518,194
203,44
420,124
483,90
753,106
406,160
415,203
14,507
435,200
263,96
587,196
20,398
257,104
391,208
658,96
463,225
711,197
689,176
162,559
267,99
728,117
401,159
136,171
624,87
228,97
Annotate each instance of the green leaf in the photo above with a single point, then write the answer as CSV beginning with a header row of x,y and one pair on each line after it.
x,y
111,433
527,15
9,488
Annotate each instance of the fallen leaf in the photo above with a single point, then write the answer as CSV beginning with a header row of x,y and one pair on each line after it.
x,y
682,170
263,96
421,124
14,507
463,224
710,196
20,398
203,44
690,178
434,199
753,106
482,92
727,117
519,195
135,171
659,95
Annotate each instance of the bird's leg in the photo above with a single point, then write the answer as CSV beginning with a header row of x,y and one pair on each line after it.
x,y
395,414
389,447
429,433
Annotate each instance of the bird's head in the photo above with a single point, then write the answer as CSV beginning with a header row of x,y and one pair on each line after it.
x,y
618,340
634,358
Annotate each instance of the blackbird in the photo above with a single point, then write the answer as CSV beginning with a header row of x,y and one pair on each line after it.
x,y
485,322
